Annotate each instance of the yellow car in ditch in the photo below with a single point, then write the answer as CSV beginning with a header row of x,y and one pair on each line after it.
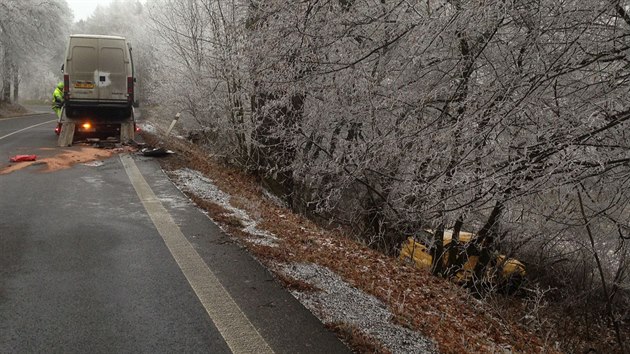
x,y
503,271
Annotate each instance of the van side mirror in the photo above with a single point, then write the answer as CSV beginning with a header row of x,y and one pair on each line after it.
x,y
62,66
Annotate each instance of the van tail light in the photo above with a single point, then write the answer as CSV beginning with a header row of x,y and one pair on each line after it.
x,y
66,86
130,89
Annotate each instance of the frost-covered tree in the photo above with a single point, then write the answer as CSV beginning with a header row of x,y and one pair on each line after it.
x,y
504,118
32,34
204,61
422,114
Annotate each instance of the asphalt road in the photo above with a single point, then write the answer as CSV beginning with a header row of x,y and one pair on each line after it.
x,y
112,258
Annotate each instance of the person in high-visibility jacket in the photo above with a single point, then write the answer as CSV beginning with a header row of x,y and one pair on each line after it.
x,y
58,99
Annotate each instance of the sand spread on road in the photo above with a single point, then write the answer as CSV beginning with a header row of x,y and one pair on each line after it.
x,y
66,158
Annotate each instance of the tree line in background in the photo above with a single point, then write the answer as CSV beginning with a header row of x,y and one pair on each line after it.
x,y
503,118
31,33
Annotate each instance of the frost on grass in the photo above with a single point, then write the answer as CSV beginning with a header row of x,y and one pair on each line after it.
x,y
338,302
194,182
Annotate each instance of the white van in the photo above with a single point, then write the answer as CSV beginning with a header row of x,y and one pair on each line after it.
x,y
98,71
99,84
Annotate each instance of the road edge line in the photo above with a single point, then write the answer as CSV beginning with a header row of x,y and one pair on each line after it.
x,y
26,115
27,128
238,332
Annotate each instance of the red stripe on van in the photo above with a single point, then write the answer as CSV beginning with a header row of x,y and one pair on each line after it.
x,y
66,86
130,89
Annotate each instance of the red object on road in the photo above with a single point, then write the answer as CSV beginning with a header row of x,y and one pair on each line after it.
x,y
23,158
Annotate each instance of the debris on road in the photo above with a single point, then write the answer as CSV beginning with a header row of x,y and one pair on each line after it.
x,y
23,158
156,152
96,163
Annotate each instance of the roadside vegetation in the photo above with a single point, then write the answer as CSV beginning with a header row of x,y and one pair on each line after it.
x,y
11,110
504,119
458,320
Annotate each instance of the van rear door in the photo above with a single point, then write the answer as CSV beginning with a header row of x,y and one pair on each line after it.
x,y
82,63
112,76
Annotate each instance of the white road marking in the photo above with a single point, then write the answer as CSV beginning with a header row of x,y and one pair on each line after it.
x,y
26,115
237,331
27,128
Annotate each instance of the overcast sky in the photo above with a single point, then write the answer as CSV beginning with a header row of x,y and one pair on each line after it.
x,y
82,9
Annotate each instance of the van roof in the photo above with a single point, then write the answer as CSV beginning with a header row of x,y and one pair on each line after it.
x,y
95,36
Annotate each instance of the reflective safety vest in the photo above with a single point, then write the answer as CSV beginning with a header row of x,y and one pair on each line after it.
x,y
57,98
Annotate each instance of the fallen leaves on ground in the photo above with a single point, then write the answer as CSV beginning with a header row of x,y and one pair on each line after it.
x,y
440,310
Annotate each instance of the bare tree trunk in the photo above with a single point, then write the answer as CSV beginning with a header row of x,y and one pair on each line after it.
x,y
609,306
485,238
455,260
273,152
6,79
437,251
16,83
